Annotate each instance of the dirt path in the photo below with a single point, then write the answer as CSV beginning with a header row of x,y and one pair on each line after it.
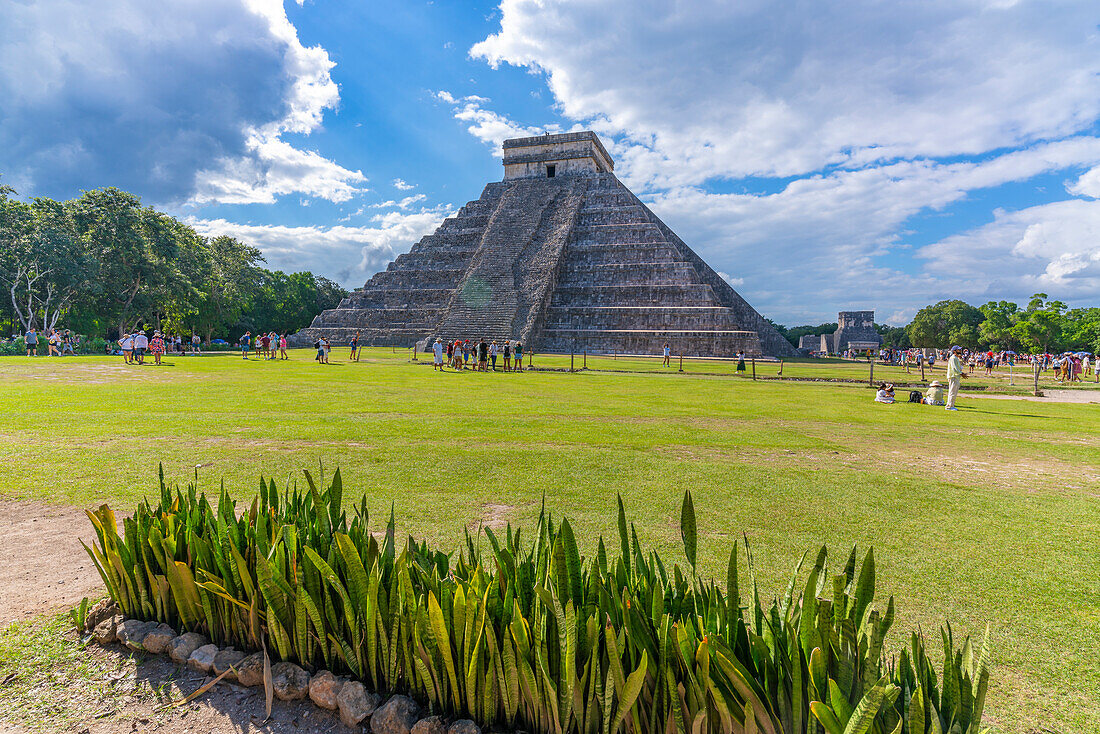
x,y
96,690
43,568
1049,396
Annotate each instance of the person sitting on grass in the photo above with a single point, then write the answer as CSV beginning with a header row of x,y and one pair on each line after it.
x,y
885,393
934,394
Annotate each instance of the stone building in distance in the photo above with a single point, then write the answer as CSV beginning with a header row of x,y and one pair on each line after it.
x,y
560,256
856,330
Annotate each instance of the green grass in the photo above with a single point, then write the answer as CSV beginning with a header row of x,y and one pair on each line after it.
x,y
989,514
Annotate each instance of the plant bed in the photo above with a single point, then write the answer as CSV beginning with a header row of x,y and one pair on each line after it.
x,y
524,635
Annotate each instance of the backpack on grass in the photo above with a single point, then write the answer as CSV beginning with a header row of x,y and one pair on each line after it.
x,y
915,396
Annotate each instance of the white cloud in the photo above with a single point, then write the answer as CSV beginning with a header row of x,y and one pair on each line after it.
x,y
272,167
714,88
348,255
876,113
402,186
174,101
488,126
1054,248
1088,184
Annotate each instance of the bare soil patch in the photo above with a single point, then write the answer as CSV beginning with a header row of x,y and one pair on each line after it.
x,y
43,567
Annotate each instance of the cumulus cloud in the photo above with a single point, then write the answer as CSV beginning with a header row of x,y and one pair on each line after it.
x,y
488,126
1053,248
846,123
348,255
736,89
169,100
401,185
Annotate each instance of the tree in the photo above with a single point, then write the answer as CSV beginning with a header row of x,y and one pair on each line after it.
x,y
43,264
231,270
945,324
996,330
1040,326
894,337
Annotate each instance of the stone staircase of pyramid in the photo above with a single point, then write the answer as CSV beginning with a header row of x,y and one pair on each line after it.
x,y
401,304
564,262
511,275
623,287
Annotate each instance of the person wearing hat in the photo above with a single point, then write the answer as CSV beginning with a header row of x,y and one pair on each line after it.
x,y
885,393
954,377
156,347
437,351
934,394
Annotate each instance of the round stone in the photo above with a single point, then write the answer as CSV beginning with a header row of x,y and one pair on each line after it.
x,y
289,681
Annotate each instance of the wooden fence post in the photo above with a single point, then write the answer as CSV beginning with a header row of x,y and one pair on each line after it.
x,y
754,368
681,361
871,379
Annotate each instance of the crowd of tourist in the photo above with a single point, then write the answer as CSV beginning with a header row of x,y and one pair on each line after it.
x,y
58,343
480,356
1067,367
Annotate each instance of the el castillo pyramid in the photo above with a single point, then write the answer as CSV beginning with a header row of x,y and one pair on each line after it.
x,y
560,256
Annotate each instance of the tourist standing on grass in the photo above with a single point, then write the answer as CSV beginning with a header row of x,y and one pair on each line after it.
x,y
437,355
954,377
141,345
31,340
126,344
353,355
519,357
157,347
282,347
53,345
741,362
246,343
507,356
195,342
667,353
493,355
483,355
263,345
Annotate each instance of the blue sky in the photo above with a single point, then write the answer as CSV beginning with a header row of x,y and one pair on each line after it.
x,y
821,156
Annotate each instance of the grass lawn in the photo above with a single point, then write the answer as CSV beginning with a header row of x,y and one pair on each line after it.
x,y
991,514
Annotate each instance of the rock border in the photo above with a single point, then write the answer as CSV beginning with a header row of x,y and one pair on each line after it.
x,y
359,708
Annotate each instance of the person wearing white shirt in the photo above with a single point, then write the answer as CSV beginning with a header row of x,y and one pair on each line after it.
x,y
954,377
437,350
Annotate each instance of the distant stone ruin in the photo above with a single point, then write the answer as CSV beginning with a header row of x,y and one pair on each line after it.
x,y
856,331
560,256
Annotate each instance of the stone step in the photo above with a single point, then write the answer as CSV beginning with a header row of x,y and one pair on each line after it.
x,y
639,295
418,278
633,252
612,215
614,234
578,273
398,298
639,317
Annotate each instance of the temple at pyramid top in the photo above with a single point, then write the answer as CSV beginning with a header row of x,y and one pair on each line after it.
x,y
548,156
559,256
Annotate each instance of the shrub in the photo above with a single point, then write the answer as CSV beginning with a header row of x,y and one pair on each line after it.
x,y
531,634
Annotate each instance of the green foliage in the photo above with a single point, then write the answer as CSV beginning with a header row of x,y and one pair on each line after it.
x,y
103,263
945,324
531,634
78,615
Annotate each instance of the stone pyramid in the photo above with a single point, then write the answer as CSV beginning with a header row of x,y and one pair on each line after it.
x,y
560,256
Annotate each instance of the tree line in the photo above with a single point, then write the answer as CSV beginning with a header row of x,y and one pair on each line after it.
x,y
102,264
1043,325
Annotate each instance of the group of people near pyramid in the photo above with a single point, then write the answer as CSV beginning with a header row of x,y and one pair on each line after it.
x,y
480,356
